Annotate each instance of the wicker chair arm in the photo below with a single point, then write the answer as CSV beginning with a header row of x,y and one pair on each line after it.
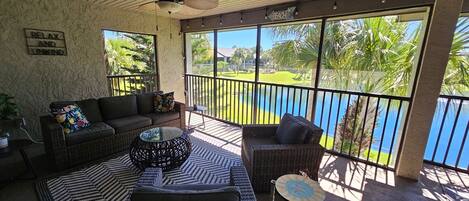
x,y
54,141
151,177
181,108
52,132
293,157
239,177
259,130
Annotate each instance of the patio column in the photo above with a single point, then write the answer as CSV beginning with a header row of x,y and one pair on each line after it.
x,y
428,85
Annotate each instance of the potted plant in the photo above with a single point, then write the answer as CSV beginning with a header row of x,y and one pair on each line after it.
x,y
8,118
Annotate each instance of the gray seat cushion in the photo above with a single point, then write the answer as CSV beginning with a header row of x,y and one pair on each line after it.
x,y
226,193
315,133
159,118
146,101
291,130
90,108
95,131
249,142
129,123
117,107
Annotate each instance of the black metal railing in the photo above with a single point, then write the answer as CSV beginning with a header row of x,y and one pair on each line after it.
x,y
448,140
121,85
361,126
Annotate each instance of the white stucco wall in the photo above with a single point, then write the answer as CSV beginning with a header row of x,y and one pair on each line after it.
x,y
36,80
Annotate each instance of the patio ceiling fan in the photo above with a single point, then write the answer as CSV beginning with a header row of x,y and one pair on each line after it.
x,y
174,6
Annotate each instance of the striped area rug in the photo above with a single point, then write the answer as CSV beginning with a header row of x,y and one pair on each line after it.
x,y
115,179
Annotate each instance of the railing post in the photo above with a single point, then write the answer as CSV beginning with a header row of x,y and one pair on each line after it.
x,y
256,76
215,86
318,69
427,88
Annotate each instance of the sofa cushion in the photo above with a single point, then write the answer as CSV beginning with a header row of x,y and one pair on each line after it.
x,y
95,131
158,118
129,123
315,134
117,107
227,193
145,102
291,130
249,142
90,108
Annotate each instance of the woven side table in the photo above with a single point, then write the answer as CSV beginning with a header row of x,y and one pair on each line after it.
x,y
164,147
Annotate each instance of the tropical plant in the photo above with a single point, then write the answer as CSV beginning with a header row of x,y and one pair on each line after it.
x,y
297,47
456,81
201,49
142,52
372,55
240,56
116,56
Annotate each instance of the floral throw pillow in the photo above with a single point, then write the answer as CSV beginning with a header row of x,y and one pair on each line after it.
x,y
164,102
72,119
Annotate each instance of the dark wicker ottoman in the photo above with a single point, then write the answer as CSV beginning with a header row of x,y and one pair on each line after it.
x,y
163,147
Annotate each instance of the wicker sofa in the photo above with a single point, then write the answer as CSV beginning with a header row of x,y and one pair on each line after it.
x,y
115,121
150,187
265,159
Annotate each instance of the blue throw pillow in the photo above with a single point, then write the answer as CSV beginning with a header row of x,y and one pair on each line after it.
x,y
291,130
314,136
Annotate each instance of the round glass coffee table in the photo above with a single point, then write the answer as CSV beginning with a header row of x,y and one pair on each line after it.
x,y
163,147
299,188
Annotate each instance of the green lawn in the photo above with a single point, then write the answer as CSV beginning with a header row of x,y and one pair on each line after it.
x,y
279,77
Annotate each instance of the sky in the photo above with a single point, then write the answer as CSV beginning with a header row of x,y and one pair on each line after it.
x,y
246,37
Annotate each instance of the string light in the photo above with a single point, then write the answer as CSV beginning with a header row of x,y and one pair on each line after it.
x,y
335,5
383,1
221,20
156,18
242,20
265,16
170,32
203,22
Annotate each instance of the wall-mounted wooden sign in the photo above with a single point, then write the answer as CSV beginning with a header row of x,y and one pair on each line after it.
x,y
277,14
45,42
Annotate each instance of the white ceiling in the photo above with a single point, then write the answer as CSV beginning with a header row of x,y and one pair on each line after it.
x,y
225,6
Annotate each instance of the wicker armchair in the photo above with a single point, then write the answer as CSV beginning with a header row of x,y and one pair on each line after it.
x,y
265,159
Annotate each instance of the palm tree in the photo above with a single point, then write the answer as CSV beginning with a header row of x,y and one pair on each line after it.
x,y
372,55
297,48
456,81
201,47
240,56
